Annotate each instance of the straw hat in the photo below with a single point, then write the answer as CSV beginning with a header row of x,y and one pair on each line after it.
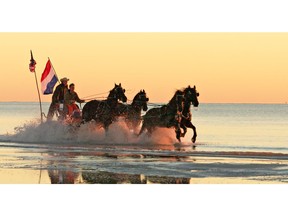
x,y
64,79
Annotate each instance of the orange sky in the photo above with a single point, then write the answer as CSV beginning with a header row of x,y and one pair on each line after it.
x,y
225,67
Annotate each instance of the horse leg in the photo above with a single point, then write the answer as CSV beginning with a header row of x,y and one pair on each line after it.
x,y
184,129
107,123
149,130
142,129
135,126
86,117
106,126
190,125
178,133
52,110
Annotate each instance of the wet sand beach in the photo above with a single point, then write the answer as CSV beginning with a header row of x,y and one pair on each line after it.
x,y
43,164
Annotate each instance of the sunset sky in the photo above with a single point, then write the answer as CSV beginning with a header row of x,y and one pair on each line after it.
x,y
225,67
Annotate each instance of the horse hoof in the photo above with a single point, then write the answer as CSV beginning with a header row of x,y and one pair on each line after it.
x,y
193,140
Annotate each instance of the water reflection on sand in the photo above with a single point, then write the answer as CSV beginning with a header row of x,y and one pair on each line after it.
x,y
102,177
166,164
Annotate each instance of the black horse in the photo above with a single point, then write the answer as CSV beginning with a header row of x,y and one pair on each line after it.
x,y
190,95
104,112
132,112
166,116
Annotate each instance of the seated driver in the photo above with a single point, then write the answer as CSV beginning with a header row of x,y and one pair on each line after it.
x,y
70,98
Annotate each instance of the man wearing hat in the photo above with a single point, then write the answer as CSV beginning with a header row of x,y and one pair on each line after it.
x,y
58,98
70,98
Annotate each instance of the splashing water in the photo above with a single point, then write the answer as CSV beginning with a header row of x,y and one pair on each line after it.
x,y
89,133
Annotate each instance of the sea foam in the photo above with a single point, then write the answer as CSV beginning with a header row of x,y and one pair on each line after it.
x,y
89,133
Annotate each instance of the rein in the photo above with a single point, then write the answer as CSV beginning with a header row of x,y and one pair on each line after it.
x,y
95,95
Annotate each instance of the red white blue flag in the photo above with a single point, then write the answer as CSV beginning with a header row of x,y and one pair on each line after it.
x,y
48,79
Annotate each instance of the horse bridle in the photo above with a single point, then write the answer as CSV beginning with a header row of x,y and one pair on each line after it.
x,y
190,93
141,99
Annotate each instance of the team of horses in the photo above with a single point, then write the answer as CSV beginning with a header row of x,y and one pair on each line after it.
x,y
175,114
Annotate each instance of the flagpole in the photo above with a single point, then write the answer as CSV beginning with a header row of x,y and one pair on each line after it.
x,y
54,70
41,112
32,69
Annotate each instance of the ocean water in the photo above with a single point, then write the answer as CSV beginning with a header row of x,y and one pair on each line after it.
x,y
236,143
229,127
243,127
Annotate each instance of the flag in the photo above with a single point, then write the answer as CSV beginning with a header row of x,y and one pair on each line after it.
x,y
48,79
32,63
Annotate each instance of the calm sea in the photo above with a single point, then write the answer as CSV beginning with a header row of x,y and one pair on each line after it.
x,y
220,127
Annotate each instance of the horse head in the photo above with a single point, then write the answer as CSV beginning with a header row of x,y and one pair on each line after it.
x,y
119,93
141,100
191,95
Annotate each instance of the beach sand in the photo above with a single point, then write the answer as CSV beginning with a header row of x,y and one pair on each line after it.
x,y
34,164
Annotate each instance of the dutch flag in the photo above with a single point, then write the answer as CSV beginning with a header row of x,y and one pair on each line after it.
x,y
48,79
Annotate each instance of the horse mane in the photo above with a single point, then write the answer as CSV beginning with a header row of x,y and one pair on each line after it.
x,y
116,86
177,92
135,97
111,92
186,89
